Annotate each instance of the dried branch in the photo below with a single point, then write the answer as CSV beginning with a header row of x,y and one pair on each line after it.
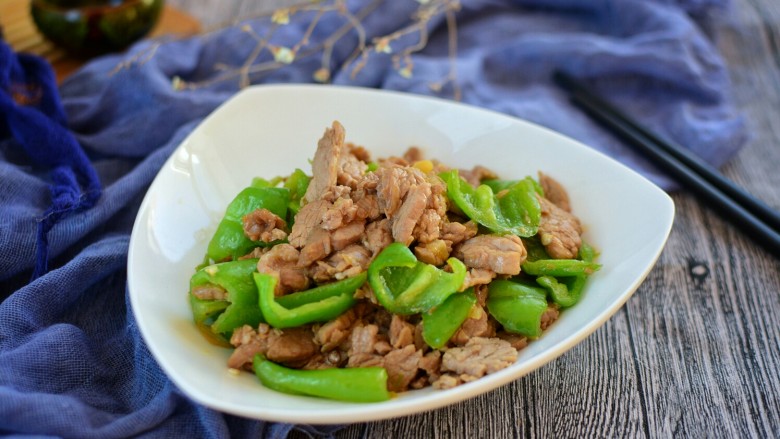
x,y
266,56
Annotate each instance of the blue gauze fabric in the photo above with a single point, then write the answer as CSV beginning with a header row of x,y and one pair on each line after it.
x,y
31,113
72,362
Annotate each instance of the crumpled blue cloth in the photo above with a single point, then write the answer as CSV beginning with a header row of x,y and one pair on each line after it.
x,y
31,114
72,362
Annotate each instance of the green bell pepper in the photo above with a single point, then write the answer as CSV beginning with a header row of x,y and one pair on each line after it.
x,y
404,285
560,267
440,323
319,304
534,248
573,274
204,311
576,283
260,182
296,183
229,241
559,292
518,307
499,185
363,384
240,308
516,210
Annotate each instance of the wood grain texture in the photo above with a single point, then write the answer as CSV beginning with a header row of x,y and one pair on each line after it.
x,y
696,351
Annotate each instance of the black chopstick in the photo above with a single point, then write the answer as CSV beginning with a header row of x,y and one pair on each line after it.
x,y
748,201
747,213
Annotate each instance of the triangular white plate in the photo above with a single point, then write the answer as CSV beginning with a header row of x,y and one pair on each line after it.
x,y
270,130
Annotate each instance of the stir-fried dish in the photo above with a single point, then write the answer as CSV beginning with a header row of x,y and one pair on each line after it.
x,y
372,277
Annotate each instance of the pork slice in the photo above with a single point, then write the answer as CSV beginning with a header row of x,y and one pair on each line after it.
x,y
341,212
368,183
394,183
347,235
256,253
446,381
438,200
554,192
367,206
428,226
333,193
419,341
333,333
402,367
317,247
209,292
481,291
502,254
248,343
359,152
378,236
559,231
401,332
325,163
351,170
474,326
480,356
549,317
433,252
389,189
281,261
264,225
477,276
292,347
362,350
456,232
363,339
318,361
366,360
413,154
307,220
407,216
430,363
476,175
344,263
517,341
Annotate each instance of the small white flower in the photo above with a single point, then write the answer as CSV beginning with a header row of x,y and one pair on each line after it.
x,y
322,75
281,16
283,54
383,46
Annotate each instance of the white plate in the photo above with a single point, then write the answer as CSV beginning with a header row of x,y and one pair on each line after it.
x,y
270,130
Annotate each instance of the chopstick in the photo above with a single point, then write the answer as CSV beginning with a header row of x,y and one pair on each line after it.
x,y
746,212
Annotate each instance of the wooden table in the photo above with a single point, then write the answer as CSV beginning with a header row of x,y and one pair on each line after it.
x,y
695,352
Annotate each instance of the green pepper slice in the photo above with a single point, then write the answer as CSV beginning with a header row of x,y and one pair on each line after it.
x,y
499,185
518,307
241,306
560,267
260,182
316,305
296,183
516,210
348,285
363,384
559,292
443,321
404,285
229,241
